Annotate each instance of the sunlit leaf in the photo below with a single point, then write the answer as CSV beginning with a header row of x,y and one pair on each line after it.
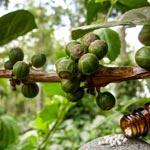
x,y
32,138
124,5
139,102
52,89
94,7
136,15
80,31
139,16
25,145
112,39
3,87
15,24
46,116
49,112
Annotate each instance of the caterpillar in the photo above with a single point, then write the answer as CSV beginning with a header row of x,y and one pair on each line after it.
x,y
136,124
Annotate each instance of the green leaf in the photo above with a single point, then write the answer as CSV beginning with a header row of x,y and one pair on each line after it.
x,y
49,112
32,138
94,7
140,16
130,4
80,31
139,102
24,145
47,116
3,87
51,89
112,39
15,24
136,15
60,53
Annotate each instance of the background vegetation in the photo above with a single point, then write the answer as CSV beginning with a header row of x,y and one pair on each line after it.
x,y
49,121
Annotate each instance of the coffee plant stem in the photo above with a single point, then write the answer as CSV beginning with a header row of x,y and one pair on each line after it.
x,y
34,76
43,144
102,77
58,122
106,75
110,9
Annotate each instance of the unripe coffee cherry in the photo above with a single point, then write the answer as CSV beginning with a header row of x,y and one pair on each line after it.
x,y
144,35
88,64
21,70
88,38
8,65
70,85
66,68
142,57
30,90
38,60
99,48
105,100
70,45
16,54
75,96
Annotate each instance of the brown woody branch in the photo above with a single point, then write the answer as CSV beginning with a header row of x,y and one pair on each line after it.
x,y
102,77
108,75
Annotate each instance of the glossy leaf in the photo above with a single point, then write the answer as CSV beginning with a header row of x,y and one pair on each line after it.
x,y
94,7
15,24
139,16
134,102
112,39
52,89
24,145
3,87
124,5
3,84
46,116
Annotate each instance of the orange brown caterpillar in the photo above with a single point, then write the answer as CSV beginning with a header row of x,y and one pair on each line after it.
x,y
136,124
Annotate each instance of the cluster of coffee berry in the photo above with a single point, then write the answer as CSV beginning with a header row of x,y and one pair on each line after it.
x,y
20,70
81,62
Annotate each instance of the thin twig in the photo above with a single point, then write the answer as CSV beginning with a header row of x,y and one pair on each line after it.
x,y
59,120
25,131
43,143
110,10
